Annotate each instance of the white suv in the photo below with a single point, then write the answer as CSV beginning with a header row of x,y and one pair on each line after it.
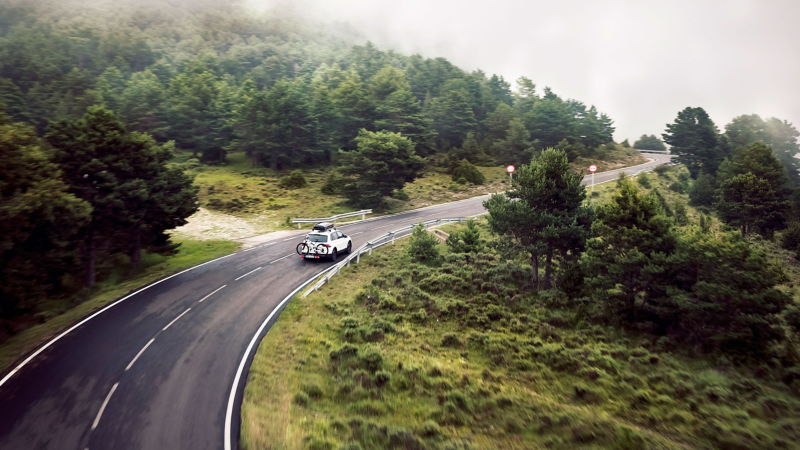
x,y
324,241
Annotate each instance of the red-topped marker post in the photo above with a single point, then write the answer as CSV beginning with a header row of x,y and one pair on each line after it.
x,y
510,169
593,169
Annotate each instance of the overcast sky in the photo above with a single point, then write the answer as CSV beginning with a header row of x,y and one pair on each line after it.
x,y
639,61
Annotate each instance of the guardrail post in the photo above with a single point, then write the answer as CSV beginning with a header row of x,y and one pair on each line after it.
x,y
392,237
358,257
363,217
299,227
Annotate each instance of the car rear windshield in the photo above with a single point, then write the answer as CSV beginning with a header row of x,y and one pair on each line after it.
x,y
317,238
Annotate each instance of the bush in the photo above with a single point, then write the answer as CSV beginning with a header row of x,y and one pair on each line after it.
x,y
301,399
382,378
371,359
469,173
294,180
313,391
430,429
400,195
423,246
661,170
451,340
676,187
333,185
791,238
644,181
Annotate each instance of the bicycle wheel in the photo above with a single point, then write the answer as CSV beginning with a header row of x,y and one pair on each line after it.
x,y
321,249
301,247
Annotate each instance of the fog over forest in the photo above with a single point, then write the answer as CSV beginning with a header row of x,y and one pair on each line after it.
x,y
642,61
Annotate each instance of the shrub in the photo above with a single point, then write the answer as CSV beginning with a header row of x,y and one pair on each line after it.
x,y
430,429
333,185
371,359
400,195
382,378
644,181
312,390
294,180
451,340
469,173
661,170
791,238
374,335
676,187
423,246
349,322
301,399
420,316
344,352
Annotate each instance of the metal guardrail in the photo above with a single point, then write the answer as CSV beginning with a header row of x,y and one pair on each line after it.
x,y
363,213
665,152
378,241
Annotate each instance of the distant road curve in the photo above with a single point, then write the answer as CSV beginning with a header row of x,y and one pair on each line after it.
x,y
155,369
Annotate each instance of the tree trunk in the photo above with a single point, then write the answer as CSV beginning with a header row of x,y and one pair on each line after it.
x,y
744,230
274,160
535,264
90,259
136,248
548,266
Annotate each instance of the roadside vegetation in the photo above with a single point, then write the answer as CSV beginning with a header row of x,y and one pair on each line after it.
x,y
631,320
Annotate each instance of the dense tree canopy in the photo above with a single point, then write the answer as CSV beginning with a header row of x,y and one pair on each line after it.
x,y
649,143
215,77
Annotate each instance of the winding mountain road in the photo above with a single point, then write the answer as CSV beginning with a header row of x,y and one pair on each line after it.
x,y
155,370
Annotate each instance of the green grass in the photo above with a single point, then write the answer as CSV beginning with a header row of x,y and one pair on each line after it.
x,y
57,314
492,364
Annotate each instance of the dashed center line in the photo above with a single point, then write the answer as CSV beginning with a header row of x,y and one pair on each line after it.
x,y
209,295
139,354
353,234
175,320
291,238
384,226
103,407
248,273
273,262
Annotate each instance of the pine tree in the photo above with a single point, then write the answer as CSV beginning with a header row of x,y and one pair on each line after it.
x,y
702,191
38,221
354,108
749,203
694,139
400,112
141,104
118,174
382,163
649,143
543,213
628,258
452,117
386,81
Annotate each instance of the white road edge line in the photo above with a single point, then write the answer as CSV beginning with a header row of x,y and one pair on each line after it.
x,y
44,347
353,234
139,354
281,258
176,319
103,407
248,273
209,295
240,370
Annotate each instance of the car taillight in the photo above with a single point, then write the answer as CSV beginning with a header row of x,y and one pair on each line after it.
x,y
327,245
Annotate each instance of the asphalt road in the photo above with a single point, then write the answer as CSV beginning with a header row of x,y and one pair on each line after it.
x,y
155,370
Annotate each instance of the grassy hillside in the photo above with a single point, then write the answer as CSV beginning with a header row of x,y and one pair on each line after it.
x,y
239,200
463,354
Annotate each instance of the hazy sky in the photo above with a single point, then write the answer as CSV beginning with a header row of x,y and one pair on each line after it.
x,y
639,61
